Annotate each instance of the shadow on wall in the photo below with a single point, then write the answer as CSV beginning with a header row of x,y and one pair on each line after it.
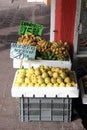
x,y
10,22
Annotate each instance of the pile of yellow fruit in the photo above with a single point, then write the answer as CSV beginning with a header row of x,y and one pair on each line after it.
x,y
60,49
45,76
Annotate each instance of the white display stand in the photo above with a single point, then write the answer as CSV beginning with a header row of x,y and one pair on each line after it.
x,y
37,63
30,91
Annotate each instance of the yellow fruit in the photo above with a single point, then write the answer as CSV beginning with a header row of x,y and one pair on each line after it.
x,y
49,85
59,80
50,73
21,71
40,80
53,80
41,66
62,84
28,75
67,80
44,75
34,80
37,84
42,70
47,80
56,85
63,75
73,84
43,85
17,84
31,84
52,69
47,67
30,70
20,80
55,75
24,84
37,72
68,85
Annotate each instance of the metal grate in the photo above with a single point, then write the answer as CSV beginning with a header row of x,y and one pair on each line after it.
x,y
45,109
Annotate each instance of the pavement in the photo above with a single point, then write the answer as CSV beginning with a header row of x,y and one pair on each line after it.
x,y
10,17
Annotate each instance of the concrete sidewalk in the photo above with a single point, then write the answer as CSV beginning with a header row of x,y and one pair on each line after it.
x,y
9,107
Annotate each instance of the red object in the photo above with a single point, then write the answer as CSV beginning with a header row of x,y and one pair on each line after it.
x,y
65,20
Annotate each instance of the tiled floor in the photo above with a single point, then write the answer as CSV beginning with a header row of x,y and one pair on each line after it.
x,y
9,107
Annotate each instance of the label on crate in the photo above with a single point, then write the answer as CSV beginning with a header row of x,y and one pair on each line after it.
x,y
22,52
28,27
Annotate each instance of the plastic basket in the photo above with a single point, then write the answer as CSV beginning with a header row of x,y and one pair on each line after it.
x,y
45,109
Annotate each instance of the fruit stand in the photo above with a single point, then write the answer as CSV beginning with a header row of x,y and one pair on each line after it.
x,y
44,81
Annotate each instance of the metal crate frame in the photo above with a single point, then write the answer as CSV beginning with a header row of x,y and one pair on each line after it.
x,y
45,109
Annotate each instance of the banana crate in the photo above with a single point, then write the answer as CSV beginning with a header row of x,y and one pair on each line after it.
x,y
45,109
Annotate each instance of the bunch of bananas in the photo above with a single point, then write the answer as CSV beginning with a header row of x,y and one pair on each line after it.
x,y
44,48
